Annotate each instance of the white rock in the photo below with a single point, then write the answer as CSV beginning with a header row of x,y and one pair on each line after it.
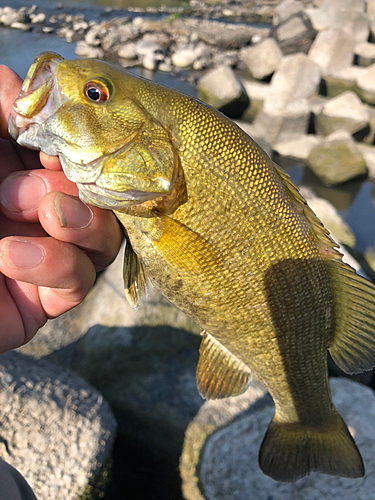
x,y
346,111
83,49
298,75
127,51
263,58
297,146
366,81
184,58
285,10
332,50
365,53
282,116
368,153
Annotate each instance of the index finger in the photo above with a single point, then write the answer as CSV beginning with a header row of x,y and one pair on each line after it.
x,y
10,86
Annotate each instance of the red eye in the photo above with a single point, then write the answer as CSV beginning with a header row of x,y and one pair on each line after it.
x,y
97,91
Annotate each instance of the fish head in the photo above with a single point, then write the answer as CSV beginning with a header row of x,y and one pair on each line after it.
x,y
87,112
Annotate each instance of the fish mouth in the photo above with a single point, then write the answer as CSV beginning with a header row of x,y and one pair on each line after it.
x,y
112,200
39,99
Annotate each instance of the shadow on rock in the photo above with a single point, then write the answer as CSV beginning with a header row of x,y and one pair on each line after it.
x,y
147,374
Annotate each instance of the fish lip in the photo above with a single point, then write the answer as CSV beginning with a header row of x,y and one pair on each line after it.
x,y
40,79
109,199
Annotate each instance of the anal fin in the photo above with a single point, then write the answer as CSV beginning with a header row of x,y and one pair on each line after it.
x,y
353,346
219,373
135,279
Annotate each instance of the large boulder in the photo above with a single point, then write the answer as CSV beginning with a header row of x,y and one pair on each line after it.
x,y
222,89
366,84
262,59
337,159
345,112
296,75
220,459
294,34
332,50
282,116
56,430
348,15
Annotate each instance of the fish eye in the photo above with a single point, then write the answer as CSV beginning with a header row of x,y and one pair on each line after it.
x,y
97,90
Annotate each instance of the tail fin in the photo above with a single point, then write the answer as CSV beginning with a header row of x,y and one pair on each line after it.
x,y
290,451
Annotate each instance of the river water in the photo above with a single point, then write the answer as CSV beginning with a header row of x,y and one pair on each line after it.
x,y
354,200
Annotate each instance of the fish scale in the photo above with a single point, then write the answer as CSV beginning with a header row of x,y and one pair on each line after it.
x,y
221,231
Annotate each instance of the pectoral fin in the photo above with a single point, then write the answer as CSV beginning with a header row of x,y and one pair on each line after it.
x,y
219,373
135,279
183,247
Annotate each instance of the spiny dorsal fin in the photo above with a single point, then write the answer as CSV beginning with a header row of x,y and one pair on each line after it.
x,y
321,233
353,346
219,373
135,280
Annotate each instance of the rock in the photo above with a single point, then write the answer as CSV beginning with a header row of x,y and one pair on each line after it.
x,y
347,15
223,90
345,112
38,18
212,416
150,53
366,84
56,430
365,54
127,51
282,116
22,26
337,159
262,59
184,58
297,146
368,153
295,34
285,10
9,16
95,35
340,231
332,50
296,75
85,50
342,80
228,454
257,93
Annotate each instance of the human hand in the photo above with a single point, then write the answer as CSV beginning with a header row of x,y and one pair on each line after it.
x,y
51,244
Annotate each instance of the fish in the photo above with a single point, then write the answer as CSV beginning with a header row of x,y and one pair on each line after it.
x,y
223,233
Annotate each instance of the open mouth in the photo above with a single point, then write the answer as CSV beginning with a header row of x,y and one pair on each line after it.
x,y
39,97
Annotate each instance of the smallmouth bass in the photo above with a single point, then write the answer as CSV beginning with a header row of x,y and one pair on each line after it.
x,y
221,231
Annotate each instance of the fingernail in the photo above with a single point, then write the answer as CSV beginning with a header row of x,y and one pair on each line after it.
x,y
21,254
22,193
71,212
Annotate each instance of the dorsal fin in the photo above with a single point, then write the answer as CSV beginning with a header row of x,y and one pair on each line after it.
x,y
321,233
219,373
353,346
136,284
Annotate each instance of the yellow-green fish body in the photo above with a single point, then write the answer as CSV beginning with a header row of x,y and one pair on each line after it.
x,y
221,231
